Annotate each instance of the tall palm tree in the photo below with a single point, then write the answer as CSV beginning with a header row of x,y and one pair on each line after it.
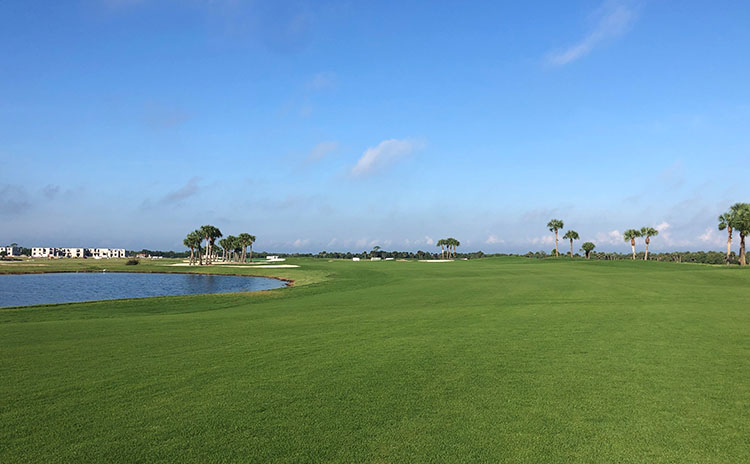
x,y
554,225
740,221
224,244
441,243
210,233
189,244
725,222
245,240
571,235
454,243
193,241
648,232
632,234
230,243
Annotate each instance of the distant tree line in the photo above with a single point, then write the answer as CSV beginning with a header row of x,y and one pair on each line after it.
x,y
704,257
158,253
737,218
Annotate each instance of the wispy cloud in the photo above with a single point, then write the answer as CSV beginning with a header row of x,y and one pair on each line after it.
x,y
13,200
612,19
300,242
387,152
322,81
494,240
188,190
321,150
543,240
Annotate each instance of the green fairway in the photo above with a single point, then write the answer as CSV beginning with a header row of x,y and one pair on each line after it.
x,y
491,360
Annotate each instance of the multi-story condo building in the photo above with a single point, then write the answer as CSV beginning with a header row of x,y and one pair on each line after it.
x,y
11,250
97,253
39,252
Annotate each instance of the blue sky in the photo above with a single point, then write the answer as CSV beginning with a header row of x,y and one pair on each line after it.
x,y
332,125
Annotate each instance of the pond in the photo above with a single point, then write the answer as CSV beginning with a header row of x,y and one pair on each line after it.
x,y
35,289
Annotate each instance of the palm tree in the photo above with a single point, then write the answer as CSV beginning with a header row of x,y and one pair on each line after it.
x,y
554,225
588,247
740,221
632,234
210,233
725,222
244,239
225,243
441,243
454,244
193,241
229,244
648,232
571,235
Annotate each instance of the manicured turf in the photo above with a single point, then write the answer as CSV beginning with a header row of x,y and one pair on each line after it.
x,y
495,360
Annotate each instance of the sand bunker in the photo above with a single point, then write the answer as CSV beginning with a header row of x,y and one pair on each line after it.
x,y
435,260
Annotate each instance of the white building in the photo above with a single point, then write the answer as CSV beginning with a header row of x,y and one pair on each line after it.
x,y
97,253
74,252
106,253
39,252
11,250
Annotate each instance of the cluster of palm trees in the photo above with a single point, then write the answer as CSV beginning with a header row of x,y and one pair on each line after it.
x,y
231,246
631,234
736,219
448,247
555,225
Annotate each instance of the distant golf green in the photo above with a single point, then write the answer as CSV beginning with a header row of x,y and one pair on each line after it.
x,y
491,360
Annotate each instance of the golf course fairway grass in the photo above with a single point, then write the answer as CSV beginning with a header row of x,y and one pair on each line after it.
x,y
490,360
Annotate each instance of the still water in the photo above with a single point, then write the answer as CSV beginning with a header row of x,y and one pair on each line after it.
x,y
35,289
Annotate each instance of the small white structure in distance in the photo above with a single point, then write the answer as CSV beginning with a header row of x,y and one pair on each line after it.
x,y
355,259
274,258
389,259
375,258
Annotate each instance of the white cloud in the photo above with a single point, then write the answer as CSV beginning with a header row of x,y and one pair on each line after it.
x,y
613,237
493,240
710,236
361,243
321,150
388,151
612,19
666,236
428,240
299,243
543,240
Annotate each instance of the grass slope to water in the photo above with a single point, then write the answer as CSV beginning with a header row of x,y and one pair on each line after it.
x,y
489,360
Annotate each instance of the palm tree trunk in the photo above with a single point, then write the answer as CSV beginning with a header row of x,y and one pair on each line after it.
x,y
556,252
632,244
251,252
645,257
571,248
742,249
729,243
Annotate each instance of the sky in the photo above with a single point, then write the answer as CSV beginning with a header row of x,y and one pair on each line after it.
x,y
338,125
